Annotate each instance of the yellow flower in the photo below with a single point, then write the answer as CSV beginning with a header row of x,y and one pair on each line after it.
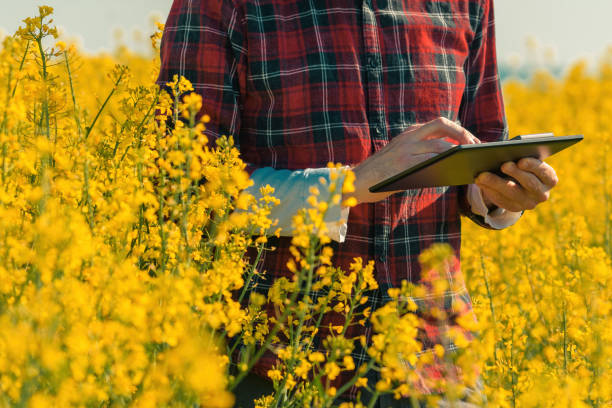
x,y
348,363
275,375
316,357
302,369
124,237
332,370
361,382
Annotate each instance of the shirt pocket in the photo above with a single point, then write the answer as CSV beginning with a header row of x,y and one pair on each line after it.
x,y
303,81
440,33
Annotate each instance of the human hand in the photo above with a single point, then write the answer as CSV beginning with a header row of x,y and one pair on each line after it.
x,y
418,143
533,180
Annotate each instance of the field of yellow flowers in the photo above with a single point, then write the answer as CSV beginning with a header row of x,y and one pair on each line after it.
x,y
124,242
543,287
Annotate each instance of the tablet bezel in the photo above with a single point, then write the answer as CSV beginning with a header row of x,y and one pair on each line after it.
x,y
559,142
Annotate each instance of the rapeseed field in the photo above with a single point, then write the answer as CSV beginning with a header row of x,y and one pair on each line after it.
x,y
124,268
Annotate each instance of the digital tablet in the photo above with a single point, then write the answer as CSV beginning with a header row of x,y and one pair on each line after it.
x,y
461,164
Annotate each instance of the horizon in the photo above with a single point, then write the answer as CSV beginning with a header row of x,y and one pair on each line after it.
x,y
554,46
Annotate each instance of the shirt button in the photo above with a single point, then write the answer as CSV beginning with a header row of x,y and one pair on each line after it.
x,y
378,130
373,62
382,258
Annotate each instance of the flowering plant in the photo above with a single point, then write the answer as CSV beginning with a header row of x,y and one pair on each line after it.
x,y
129,245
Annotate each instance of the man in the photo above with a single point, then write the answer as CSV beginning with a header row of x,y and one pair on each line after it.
x,y
375,84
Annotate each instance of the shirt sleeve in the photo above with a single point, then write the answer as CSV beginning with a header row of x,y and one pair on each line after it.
x,y
293,189
204,41
499,218
482,110
482,107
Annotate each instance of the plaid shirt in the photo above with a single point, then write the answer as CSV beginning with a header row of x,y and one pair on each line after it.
x,y
303,83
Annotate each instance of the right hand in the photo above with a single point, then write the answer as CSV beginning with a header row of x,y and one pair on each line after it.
x,y
416,144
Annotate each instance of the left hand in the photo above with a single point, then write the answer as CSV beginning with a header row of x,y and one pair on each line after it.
x,y
535,180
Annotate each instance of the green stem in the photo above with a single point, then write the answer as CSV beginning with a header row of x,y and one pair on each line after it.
x,y
356,377
45,107
373,399
250,275
302,311
296,337
141,125
534,297
564,337
608,222
512,372
491,305
185,196
7,100
11,94
160,220
319,319
141,220
74,102
275,329
110,95
4,152
25,54
87,197
349,315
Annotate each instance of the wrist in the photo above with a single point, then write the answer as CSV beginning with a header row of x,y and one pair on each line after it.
x,y
488,203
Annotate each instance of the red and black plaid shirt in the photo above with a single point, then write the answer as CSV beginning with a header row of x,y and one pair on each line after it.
x,y
303,83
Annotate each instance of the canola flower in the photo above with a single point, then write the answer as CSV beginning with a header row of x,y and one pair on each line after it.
x,y
118,263
542,289
125,237
128,245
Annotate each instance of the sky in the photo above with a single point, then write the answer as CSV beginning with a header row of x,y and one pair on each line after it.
x,y
558,31
93,22
572,29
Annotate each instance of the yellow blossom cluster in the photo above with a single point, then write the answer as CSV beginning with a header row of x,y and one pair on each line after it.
x,y
128,253
129,244
122,240
543,288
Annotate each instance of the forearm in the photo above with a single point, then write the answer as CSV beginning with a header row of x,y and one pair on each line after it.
x,y
292,188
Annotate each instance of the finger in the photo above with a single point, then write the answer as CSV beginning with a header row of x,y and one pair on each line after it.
x,y
441,128
500,199
498,183
529,181
414,127
543,171
509,189
409,132
431,146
